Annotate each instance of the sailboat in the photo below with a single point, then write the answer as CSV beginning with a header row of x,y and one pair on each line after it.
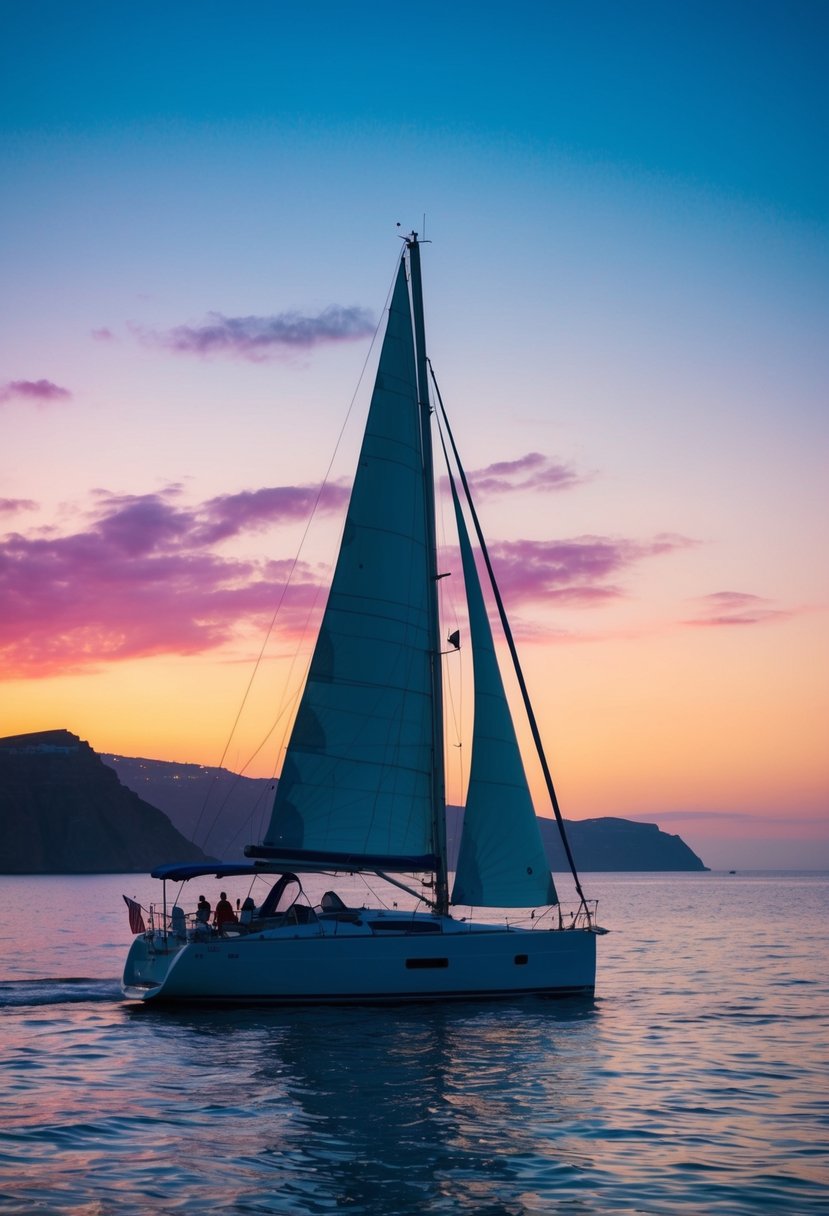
x,y
362,788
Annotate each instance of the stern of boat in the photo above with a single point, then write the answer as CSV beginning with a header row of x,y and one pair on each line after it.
x,y
148,964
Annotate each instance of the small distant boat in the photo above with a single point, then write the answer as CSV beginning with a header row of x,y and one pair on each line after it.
x,y
732,871
362,786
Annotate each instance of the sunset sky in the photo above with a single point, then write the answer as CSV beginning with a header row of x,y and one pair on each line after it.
x,y
626,293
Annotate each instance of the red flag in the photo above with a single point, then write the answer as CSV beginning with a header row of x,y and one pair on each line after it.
x,y
136,919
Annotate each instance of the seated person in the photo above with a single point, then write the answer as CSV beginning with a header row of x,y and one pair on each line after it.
x,y
203,911
331,902
248,909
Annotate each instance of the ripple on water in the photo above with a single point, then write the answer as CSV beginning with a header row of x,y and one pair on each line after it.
x,y
692,1083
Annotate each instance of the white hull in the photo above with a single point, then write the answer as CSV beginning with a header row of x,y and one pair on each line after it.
x,y
333,963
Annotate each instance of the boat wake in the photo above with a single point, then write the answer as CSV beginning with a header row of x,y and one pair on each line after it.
x,y
17,993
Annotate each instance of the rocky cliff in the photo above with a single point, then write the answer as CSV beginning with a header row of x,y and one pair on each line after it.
x,y
618,844
62,811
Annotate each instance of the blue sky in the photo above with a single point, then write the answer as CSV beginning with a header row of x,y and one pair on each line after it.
x,y
628,277
727,96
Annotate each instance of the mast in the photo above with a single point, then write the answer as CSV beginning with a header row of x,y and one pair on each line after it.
x,y
438,777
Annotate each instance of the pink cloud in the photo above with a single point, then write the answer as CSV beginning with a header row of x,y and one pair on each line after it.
x,y
531,472
736,608
42,392
103,334
257,338
668,816
143,579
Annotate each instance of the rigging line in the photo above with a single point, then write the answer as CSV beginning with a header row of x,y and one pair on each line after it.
x,y
303,539
287,708
239,776
512,649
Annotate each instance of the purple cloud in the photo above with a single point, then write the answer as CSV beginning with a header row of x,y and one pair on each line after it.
x,y
10,506
103,334
257,338
150,522
142,578
583,570
252,510
531,472
145,576
736,608
42,392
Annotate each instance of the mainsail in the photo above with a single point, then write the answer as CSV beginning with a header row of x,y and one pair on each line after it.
x,y
356,781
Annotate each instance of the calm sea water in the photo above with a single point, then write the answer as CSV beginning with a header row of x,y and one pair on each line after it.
x,y
694,1082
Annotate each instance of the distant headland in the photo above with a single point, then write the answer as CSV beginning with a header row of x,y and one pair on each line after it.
x,y
67,810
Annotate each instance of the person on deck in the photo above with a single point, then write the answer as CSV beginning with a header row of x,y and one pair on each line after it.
x,y
203,911
224,914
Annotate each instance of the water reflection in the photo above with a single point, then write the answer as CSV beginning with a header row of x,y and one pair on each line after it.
x,y
418,1109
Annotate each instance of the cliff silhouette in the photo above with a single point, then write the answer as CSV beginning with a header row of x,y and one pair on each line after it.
x,y
225,812
63,811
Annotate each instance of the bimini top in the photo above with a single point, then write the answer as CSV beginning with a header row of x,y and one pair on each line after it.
x,y
219,869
